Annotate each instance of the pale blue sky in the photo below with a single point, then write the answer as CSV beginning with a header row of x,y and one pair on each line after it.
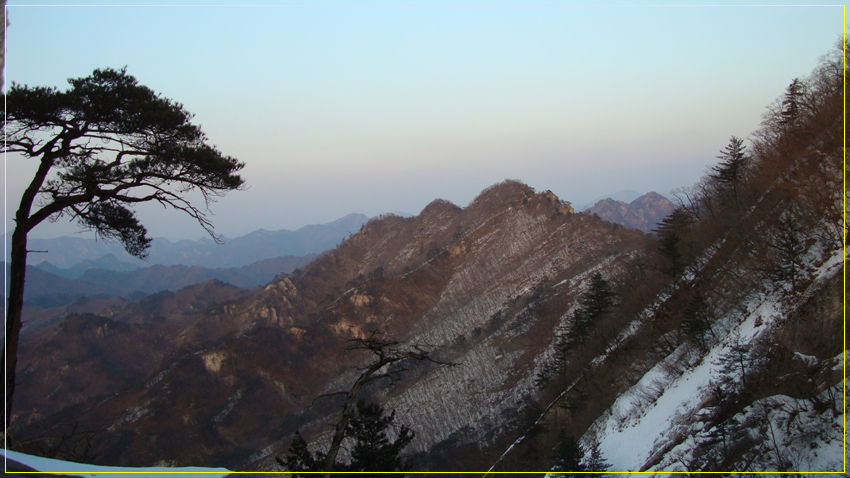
x,y
375,109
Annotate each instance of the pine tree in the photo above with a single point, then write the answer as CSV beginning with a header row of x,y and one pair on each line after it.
x,y
729,174
373,450
668,246
569,454
572,458
736,360
789,246
792,103
599,298
696,320
595,462
595,303
300,458
669,233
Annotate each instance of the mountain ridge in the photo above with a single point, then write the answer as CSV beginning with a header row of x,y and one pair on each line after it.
x,y
410,278
643,213
67,252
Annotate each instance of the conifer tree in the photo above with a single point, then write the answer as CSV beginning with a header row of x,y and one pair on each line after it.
x,y
729,174
792,103
373,450
300,458
669,247
101,147
569,454
599,298
595,303
789,246
669,233
736,360
595,462
572,459
696,320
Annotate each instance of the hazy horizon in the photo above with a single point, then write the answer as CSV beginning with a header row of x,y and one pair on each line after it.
x,y
376,109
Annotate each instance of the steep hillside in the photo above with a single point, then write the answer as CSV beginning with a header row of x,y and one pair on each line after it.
x,y
465,283
732,356
103,345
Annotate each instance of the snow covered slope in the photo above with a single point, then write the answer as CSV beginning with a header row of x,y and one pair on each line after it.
x,y
47,465
667,422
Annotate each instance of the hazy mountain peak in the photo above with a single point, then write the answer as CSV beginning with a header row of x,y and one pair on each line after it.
x,y
642,213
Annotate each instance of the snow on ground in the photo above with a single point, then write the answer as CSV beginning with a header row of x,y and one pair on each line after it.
x,y
656,417
47,465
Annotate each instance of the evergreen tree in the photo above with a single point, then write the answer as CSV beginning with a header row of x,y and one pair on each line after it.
x,y
599,298
569,454
100,148
300,458
595,462
571,458
789,246
736,360
696,320
668,246
373,450
791,112
674,223
729,174
595,303
669,233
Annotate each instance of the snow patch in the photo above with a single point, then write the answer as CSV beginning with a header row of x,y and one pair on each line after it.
x,y
48,465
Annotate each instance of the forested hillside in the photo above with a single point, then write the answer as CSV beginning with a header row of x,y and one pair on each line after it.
x,y
728,350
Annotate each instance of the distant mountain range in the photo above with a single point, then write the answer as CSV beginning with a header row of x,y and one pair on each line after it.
x,y
72,252
52,287
642,213
78,268
627,196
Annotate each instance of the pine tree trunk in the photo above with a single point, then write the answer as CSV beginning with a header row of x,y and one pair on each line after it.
x,y
14,309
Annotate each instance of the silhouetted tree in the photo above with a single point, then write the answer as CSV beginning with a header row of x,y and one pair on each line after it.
x,y
669,233
373,450
792,103
300,458
569,454
595,463
103,145
386,353
572,458
669,247
733,164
